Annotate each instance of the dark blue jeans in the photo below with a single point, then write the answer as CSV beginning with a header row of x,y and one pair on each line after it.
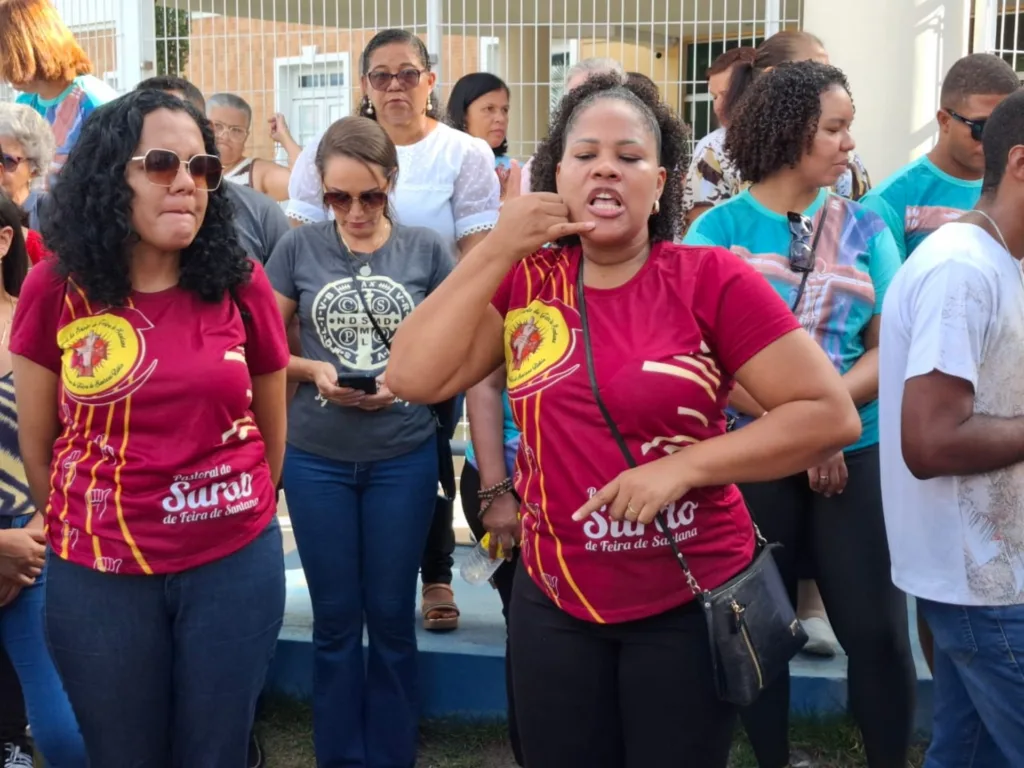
x,y
164,671
360,530
54,729
978,719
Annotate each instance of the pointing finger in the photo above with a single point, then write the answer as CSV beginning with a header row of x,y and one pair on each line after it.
x,y
570,228
597,501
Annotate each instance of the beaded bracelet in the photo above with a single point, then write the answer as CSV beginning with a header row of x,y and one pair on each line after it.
x,y
488,496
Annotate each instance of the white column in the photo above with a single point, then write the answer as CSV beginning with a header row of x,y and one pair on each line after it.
x,y
772,17
896,79
136,43
435,37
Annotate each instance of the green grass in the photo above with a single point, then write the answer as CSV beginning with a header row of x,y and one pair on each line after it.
x,y
286,730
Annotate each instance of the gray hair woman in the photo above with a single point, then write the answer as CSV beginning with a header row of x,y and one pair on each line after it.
x,y
26,149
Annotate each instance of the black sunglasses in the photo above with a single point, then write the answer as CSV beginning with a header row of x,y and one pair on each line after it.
x,y
368,201
407,78
162,166
10,163
801,252
977,126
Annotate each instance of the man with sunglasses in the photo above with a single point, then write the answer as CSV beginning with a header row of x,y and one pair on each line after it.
x,y
940,186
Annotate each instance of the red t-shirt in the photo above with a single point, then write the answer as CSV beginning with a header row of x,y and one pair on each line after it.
x,y
666,345
34,245
160,466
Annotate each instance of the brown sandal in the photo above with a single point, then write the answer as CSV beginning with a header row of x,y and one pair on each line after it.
x,y
440,613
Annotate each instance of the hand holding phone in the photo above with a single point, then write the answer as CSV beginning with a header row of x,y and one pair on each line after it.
x,y
365,384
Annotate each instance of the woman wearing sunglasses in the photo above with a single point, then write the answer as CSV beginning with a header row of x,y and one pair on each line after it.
x,y
149,369
448,185
26,150
361,470
831,260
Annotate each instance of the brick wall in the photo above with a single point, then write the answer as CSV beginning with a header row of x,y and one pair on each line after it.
x,y
237,55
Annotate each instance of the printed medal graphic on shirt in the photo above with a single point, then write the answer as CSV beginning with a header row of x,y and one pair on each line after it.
x,y
104,356
538,344
346,331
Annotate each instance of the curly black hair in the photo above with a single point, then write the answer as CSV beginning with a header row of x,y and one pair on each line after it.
x,y
777,119
87,220
671,137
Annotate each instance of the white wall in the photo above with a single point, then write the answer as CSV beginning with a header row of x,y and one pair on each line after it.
x,y
895,68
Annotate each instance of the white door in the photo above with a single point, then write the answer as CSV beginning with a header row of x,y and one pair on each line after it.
x,y
313,95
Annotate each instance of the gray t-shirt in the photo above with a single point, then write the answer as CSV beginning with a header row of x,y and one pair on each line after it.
x,y
310,267
259,221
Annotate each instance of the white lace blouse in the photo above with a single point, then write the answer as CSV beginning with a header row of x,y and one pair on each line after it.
x,y
446,182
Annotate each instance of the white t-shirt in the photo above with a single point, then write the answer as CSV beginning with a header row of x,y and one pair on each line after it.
x,y
957,307
446,182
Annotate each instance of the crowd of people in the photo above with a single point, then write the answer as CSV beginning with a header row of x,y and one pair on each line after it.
x,y
187,330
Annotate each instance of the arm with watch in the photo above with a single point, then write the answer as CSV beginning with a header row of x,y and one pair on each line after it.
x,y
499,507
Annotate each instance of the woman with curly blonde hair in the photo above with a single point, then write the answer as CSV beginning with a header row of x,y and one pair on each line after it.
x,y
40,57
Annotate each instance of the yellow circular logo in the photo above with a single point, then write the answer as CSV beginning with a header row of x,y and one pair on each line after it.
x,y
99,353
536,338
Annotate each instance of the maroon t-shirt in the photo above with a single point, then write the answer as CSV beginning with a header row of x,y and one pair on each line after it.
x,y
666,345
160,465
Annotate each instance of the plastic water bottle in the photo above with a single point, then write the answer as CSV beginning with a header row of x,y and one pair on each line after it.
x,y
479,566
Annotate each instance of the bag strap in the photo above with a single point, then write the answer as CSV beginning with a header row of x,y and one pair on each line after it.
x,y
373,320
660,520
814,250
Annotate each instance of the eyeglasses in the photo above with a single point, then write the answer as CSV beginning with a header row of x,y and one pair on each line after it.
x,y
368,201
407,78
236,132
10,163
977,126
162,166
801,253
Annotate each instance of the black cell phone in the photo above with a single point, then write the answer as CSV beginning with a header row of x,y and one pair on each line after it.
x,y
365,384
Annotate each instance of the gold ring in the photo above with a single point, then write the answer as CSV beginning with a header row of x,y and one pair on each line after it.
x,y
630,512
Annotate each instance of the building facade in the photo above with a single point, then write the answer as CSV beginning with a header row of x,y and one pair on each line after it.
x,y
301,57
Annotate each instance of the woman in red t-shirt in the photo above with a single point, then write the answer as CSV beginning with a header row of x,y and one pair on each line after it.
x,y
149,363
610,654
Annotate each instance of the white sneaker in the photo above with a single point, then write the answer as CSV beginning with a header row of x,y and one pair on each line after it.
x,y
821,639
16,757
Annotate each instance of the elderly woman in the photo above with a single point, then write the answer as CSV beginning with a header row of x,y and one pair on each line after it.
x,y
231,116
41,58
26,150
165,574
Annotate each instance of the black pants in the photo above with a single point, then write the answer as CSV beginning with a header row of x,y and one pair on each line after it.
x,y
13,720
438,556
632,695
846,537
469,485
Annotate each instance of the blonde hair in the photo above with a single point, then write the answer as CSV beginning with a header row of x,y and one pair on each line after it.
x,y
35,44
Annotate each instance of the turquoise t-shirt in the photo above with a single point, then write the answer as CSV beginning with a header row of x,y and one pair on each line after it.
x,y
67,112
918,199
856,260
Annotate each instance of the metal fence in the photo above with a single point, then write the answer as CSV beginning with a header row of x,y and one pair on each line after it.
x,y
300,57
996,27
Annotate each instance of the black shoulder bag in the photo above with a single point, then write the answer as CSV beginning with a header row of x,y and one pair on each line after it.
x,y
445,461
752,627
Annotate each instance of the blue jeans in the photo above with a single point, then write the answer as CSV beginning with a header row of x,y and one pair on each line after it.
x,y
54,729
360,530
978,686
165,670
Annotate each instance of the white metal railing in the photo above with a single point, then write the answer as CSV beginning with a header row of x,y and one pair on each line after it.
x,y
300,57
997,28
